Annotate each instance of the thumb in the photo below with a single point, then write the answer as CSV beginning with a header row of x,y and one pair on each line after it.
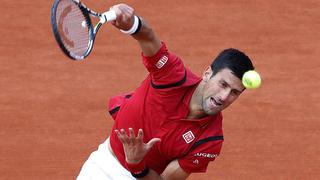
x,y
152,142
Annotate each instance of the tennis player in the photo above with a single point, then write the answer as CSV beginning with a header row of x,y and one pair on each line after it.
x,y
171,125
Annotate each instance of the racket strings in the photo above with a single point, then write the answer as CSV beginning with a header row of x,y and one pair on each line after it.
x,y
73,27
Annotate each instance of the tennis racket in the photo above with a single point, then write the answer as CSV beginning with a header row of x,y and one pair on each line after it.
x,y
73,29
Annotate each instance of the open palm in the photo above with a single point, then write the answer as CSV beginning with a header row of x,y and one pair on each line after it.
x,y
134,147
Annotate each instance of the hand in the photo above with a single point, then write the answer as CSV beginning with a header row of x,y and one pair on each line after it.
x,y
125,16
134,147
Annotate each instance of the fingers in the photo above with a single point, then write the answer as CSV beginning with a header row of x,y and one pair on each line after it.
x,y
152,142
123,12
132,139
140,134
124,138
131,133
122,135
122,8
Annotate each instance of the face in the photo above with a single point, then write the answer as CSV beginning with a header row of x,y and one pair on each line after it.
x,y
220,90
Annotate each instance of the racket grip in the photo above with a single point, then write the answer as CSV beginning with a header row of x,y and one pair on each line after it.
x,y
108,16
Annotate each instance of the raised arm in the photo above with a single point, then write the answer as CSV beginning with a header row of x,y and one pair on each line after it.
x,y
147,38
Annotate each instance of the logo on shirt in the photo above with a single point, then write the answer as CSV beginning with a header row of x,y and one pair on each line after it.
x,y
196,161
188,137
162,62
206,155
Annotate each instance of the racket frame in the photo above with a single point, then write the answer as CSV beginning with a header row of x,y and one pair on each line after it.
x,y
104,17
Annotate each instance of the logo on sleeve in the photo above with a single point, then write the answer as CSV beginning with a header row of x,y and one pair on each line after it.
x,y
162,62
188,137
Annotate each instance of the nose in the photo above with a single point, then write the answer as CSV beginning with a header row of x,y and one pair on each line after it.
x,y
224,94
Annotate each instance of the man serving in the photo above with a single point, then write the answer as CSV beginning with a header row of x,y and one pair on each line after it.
x,y
171,125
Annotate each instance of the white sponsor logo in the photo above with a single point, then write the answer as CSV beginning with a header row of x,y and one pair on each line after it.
x,y
188,137
207,155
196,161
162,62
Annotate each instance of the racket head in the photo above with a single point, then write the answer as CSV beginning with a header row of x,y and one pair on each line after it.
x,y
72,28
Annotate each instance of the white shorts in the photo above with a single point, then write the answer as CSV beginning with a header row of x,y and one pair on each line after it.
x,y
102,165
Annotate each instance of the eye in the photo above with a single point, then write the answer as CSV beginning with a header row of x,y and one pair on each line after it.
x,y
223,84
235,92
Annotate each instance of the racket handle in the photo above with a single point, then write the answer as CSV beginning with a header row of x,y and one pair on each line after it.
x,y
108,16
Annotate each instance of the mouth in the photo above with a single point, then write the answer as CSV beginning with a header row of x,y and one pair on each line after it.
x,y
214,102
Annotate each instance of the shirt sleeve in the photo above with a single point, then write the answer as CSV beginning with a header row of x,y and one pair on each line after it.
x,y
166,69
197,160
115,104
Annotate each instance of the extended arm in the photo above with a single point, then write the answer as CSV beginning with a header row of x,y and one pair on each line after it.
x,y
166,69
147,38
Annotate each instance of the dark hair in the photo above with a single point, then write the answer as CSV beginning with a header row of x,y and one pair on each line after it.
x,y
233,59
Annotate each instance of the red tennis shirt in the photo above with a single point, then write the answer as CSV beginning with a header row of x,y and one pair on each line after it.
x,y
160,106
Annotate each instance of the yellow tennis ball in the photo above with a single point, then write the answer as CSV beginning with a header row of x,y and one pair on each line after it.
x,y
251,79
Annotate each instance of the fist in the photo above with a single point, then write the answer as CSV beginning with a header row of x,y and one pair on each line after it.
x,y
125,16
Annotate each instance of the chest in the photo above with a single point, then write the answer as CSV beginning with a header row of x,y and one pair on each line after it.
x,y
177,138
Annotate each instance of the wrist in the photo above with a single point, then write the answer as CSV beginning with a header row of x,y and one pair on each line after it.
x,y
135,27
138,170
136,167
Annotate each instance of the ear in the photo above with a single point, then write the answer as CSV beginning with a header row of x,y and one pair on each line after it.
x,y
207,74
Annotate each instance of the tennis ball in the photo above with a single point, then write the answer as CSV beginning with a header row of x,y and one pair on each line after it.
x,y
251,79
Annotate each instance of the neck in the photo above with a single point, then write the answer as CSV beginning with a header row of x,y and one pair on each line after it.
x,y
195,105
